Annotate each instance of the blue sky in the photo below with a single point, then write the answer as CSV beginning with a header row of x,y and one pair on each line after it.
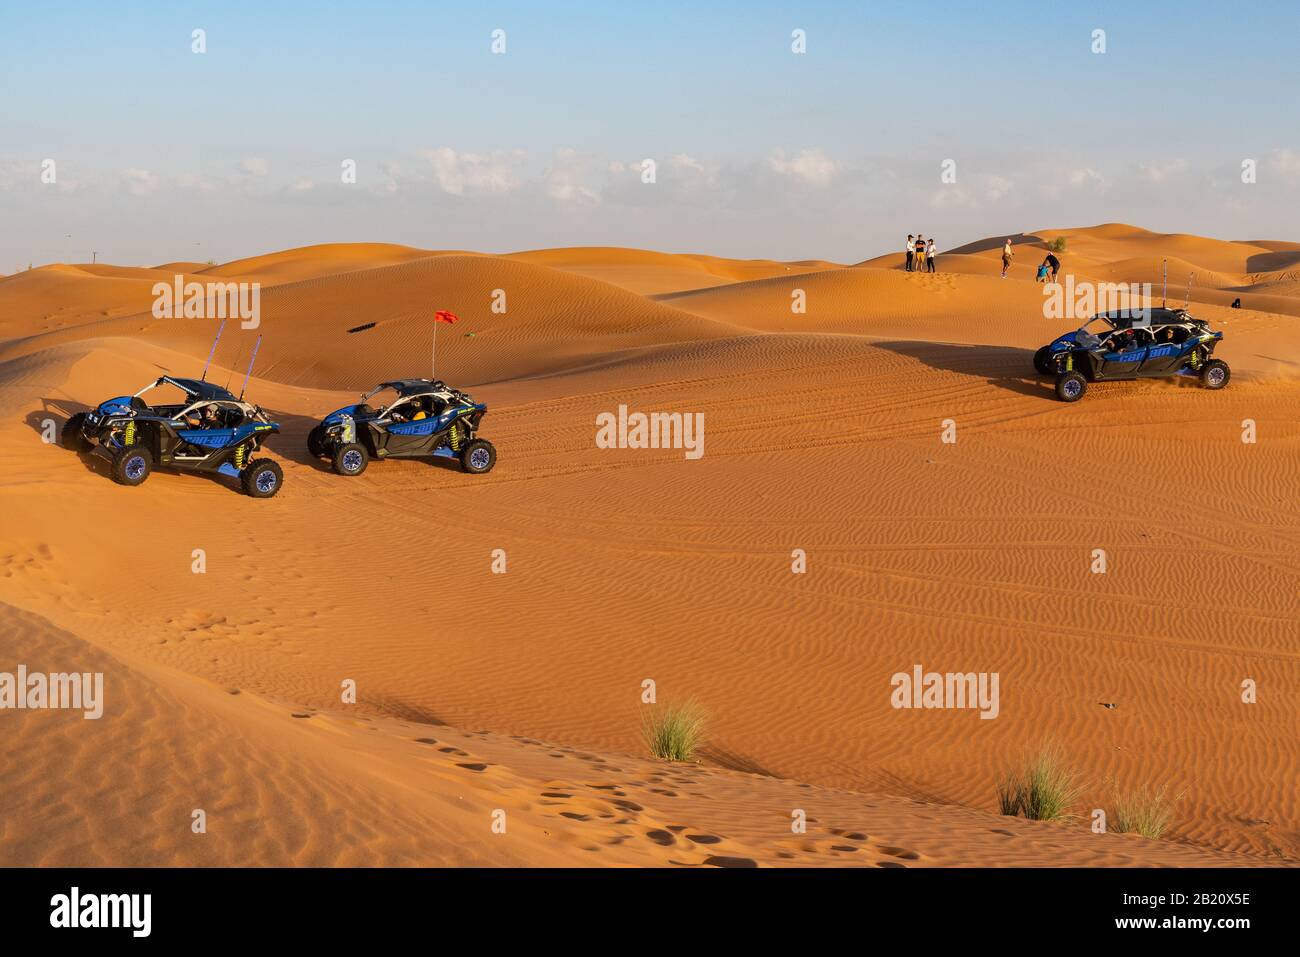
x,y
162,153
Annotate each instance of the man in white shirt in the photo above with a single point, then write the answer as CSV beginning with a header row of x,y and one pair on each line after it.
x,y
911,251
1006,258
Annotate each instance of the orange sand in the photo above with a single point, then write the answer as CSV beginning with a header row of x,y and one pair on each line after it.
x,y
823,434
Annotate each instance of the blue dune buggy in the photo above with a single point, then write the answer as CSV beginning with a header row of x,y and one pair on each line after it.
x,y
211,431
426,418
1142,344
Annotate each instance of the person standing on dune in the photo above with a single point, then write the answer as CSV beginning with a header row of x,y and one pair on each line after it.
x,y
911,251
929,255
1053,264
1006,258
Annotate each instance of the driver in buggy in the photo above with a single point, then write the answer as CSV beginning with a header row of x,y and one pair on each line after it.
x,y
204,417
414,411
1124,341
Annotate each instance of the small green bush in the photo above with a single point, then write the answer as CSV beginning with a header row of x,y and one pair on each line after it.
x,y
1042,790
674,733
1146,811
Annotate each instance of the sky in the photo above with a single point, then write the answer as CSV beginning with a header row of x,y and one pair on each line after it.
x,y
118,139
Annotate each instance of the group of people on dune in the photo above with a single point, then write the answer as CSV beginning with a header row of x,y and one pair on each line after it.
x,y
920,253
1047,269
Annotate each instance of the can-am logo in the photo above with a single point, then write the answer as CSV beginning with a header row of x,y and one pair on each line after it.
x,y
1083,300
212,300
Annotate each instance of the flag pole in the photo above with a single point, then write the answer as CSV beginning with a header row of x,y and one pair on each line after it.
x,y
433,355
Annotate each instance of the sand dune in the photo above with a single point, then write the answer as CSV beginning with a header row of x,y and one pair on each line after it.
x,y
823,434
651,273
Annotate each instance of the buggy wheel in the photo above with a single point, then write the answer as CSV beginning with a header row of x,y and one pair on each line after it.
x,y
316,441
1215,374
351,458
1070,386
72,438
132,465
261,478
478,457
1041,359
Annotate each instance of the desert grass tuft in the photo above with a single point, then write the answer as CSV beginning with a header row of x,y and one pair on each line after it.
x,y
1043,790
674,733
1146,811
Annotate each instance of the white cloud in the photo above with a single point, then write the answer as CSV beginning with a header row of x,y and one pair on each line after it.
x,y
140,182
1286,163
995,187
255,166
457,173
1161,172
570,178
811,166
1087,177
682,161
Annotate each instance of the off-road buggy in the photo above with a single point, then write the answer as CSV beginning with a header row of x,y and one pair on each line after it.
x,y
209,431
1141,344
426,418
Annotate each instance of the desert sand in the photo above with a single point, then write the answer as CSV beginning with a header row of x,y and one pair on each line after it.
x,y
521,692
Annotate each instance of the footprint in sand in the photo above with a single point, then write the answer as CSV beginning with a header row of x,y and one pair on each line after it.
x,y
901,852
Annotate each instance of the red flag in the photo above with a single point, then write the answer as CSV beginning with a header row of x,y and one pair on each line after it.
x,y
444,316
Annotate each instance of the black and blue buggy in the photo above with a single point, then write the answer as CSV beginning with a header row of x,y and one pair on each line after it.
x,y
209,431
1133,344
424,419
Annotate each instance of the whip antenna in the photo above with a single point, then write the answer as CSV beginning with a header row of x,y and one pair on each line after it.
x,y
213,352
251,360
232,368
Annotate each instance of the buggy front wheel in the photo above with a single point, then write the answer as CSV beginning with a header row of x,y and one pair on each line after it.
x,y
1070,386
478,457
261,478
351,458
316,441
1215,374
132,465
1041,360
72,438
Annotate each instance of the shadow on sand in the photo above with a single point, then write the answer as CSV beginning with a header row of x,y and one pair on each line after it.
x,y
1005,367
